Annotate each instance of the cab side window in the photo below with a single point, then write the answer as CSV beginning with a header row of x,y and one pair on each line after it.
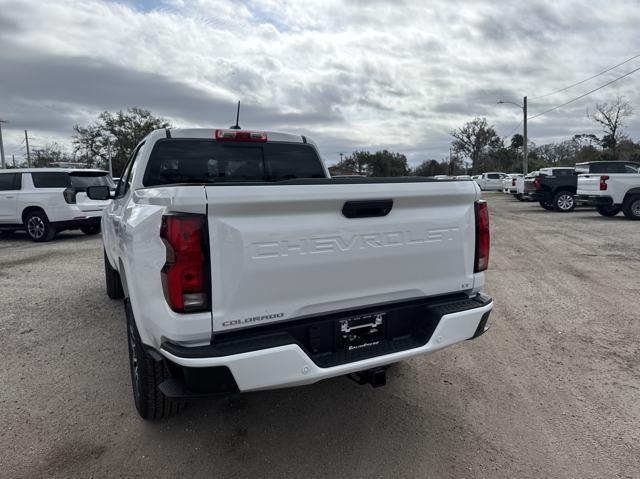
x,y
125,180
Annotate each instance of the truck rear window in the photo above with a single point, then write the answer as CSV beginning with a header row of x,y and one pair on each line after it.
x,y
209,161
50,180
613,167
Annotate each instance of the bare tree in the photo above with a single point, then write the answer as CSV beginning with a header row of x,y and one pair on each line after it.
x,y
473,139
610,116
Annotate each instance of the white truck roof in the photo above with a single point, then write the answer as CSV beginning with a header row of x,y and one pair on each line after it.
x,y
210,133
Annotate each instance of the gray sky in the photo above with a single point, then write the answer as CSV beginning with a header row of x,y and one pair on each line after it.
x,y
350,74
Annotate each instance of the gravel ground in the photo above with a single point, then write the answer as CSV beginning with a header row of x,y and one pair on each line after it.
x,y
553,390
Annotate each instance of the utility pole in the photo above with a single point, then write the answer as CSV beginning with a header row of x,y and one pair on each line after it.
x,y
26,138
110,165
2,145
525,148
13,157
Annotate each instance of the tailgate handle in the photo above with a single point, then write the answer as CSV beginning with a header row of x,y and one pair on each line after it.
x,y
367,208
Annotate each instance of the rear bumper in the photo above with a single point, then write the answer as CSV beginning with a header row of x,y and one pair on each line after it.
x,y
594,200
271,361
77,222
537,196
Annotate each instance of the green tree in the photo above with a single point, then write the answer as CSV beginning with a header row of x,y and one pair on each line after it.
x,y
431,168
628,150
356,161
119,132
474,139
517,141
380,163
385,163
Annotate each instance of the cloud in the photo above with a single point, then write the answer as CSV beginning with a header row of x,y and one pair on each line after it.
x,y
351,74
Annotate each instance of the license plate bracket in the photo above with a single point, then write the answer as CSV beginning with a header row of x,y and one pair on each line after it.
x,y
361,329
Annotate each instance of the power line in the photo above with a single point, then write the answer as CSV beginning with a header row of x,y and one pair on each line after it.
x,y
584,81
583,95
20,148
514,129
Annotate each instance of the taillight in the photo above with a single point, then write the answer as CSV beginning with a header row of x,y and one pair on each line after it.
x,y
513,182
69,195
483,237
241,135
537,183
184,275
603,182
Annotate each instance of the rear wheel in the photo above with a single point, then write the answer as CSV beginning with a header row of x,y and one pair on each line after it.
x,y
631,207
38,227
611,210
564,202
112,279
519,197
547,205
90,230
146,375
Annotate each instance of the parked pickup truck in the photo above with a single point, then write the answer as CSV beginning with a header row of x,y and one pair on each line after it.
x,y
553,188
520,182
510,183
617,190
244,267
491,181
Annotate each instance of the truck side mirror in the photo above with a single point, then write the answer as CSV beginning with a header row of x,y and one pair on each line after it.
x,y
98,193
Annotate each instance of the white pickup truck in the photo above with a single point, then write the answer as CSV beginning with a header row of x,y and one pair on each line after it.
x,y
491,180
611,186
244,267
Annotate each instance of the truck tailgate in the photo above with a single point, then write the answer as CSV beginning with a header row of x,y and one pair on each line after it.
x,y
280,252
589,183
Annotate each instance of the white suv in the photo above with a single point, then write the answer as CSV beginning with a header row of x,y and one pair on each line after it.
x,y
44,201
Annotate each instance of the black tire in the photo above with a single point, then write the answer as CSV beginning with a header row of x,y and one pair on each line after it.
x,y
547,205
564,202
38,227
112,278
90,229
631,207
146,375
609,210
519,197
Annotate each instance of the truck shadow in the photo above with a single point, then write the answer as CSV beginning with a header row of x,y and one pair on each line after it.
x,y
335,427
